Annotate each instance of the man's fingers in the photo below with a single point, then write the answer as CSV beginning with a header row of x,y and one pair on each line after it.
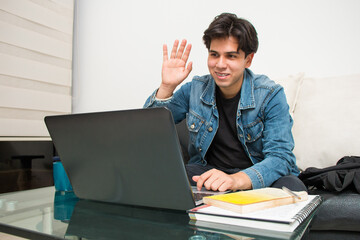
x,y
200,180
203,179
186,54
188,69
213,182
195,178
218,185
223,187
174,49
165,53
180,52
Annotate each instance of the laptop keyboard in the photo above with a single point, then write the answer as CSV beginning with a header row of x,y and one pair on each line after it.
x,y
199,195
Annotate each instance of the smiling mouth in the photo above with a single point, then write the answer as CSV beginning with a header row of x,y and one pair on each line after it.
x,y
221,75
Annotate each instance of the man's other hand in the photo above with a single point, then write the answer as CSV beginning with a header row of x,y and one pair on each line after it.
x,y
217,180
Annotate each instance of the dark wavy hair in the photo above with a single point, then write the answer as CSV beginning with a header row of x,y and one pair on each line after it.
x,y
228,24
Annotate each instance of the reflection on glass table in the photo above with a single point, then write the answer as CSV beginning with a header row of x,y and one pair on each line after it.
x,y
57,215
31,212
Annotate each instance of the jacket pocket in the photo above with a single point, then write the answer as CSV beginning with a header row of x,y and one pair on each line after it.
x,y
253,133
193,123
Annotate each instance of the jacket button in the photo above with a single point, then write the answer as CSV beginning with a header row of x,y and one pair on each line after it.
x,y
210,129
192,126
200,149
248,137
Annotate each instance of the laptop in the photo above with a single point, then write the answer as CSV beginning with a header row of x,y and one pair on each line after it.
x,y
129,157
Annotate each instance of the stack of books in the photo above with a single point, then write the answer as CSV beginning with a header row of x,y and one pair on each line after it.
x,y
267,212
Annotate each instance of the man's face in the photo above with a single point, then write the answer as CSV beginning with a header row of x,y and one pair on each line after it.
x,y
227,65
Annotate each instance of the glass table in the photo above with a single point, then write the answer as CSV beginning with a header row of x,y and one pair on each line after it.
x,y
48,214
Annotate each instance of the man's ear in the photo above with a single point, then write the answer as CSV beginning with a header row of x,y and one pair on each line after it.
x,y
249,59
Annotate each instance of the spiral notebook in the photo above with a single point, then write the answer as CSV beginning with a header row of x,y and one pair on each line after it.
x,y
284,218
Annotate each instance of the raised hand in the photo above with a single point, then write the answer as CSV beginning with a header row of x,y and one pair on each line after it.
x,y
174,69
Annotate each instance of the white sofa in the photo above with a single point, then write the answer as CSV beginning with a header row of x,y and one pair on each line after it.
x,y
326,114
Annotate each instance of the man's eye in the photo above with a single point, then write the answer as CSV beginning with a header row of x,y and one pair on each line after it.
x,y
232,56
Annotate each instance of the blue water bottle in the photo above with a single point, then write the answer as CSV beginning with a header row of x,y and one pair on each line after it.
x,y
61,180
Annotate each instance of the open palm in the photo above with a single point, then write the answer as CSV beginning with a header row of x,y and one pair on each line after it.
x,y
174,69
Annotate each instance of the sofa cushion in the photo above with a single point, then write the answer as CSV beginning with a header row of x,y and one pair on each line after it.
x,y
339,211
326,121
291,85
326,235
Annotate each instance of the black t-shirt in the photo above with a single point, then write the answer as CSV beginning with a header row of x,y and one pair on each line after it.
x,y
226,151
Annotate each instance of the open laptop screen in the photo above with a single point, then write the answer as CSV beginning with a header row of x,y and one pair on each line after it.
x,y
130,157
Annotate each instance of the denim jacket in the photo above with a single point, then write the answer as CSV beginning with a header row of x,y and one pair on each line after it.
x,y
263,124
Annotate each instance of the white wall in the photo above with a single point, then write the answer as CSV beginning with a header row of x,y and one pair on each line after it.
x,y
118,44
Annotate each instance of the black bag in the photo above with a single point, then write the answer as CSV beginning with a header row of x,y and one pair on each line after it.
x,y
344,175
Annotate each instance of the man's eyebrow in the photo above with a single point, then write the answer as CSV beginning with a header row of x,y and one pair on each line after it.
x,y
232,52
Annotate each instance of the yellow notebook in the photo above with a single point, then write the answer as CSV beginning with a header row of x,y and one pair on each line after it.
x,y
253,200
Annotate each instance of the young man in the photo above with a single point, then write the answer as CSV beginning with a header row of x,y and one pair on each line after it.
x,y
239,122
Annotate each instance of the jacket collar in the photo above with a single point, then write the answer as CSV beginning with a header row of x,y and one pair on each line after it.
x,y
208,96
247,99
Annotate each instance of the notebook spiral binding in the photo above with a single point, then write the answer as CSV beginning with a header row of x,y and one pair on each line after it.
x,y
308,209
